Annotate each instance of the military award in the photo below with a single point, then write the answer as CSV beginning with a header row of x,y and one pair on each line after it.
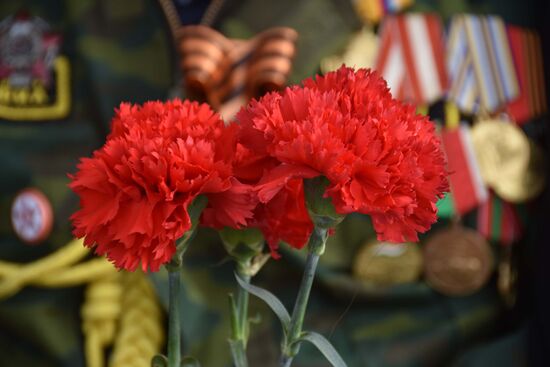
x,y
31,216
34,77
509,162
457,261
360,52
227,73
383,263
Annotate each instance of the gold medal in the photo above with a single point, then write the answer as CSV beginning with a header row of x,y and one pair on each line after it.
x,y
502,150
360,52
509,162
529,183
384,263
457,261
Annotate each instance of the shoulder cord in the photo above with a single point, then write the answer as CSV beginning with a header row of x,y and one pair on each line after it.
x,y
119,307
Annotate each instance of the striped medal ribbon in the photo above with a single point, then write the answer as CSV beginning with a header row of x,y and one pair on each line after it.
x,y
411,57
226,72
479,63
467,187
498,221
372,11
527,55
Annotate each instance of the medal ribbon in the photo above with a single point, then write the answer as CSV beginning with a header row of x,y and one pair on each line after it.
x,y
467,187
411,57
372,11
527,55
228,72
498,221
480,65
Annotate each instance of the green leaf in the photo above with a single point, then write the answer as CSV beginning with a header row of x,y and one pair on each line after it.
x,y
159,361
324,347
189,362
272,301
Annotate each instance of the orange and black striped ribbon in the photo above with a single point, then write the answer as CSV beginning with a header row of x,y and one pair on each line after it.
x,y
226,73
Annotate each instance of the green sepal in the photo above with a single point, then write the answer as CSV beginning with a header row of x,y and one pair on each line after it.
x,y
159,361
194,210
189,362
320,208
242,244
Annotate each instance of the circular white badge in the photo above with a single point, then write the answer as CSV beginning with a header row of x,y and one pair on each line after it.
x,y
31,216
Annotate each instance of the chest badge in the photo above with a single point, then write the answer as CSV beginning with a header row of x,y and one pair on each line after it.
x,y
34,77
31,216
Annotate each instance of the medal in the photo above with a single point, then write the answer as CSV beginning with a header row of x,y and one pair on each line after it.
x,y
31,216
360,52
457,261
509,162
528,184
384,263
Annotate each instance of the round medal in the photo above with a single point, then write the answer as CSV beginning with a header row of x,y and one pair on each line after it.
x,y
509,162
360,52
529,183
388,263
457,261
31,216
502,151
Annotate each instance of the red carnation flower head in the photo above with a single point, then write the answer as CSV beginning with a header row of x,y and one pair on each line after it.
x,y
135,190
379,156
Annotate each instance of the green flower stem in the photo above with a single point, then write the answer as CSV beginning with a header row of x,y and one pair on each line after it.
x,y
316,247
174,332
240,332
242,309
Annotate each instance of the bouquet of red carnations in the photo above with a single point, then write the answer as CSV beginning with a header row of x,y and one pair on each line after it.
x,y
288,168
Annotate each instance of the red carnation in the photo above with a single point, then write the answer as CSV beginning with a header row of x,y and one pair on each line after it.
x,y
379,156
135,190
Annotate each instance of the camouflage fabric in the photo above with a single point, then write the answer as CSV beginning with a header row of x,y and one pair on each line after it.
x,y
117,51
121,51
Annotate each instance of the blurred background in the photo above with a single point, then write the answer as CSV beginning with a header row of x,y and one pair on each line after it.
x,y
473,292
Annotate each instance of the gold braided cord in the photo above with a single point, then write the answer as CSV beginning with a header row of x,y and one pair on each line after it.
x,y
16,277
119,307
63,277
100,313
141,334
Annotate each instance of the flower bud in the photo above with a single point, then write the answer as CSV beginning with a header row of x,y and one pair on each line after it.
x,y
242,244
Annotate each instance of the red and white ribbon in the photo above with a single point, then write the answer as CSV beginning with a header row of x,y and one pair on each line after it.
x,y
411,57
467,186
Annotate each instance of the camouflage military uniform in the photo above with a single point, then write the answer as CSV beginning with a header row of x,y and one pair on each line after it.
x,y
116,51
